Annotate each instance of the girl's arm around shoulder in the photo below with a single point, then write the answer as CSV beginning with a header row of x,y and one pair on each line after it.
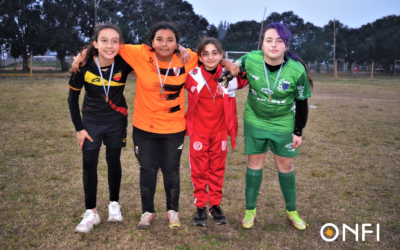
x,y
242,79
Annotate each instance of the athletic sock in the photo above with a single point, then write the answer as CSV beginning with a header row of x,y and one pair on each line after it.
x,y
288,186
253,183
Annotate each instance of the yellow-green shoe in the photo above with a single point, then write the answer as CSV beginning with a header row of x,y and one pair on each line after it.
x,y
296,220
248,221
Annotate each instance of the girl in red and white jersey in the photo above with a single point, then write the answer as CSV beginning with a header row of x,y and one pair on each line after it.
x,y
211,116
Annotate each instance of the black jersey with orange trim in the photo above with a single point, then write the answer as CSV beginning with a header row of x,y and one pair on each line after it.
x,y
94,107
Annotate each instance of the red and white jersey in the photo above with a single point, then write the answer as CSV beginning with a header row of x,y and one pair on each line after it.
x,y
195,82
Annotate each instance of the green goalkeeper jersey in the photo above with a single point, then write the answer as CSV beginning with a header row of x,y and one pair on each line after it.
x,y
279,113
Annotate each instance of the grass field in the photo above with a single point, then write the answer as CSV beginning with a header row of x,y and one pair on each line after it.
x,y
347,172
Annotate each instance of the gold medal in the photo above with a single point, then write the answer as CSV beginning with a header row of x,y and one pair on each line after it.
x,y
213,101
106,98
270,97
162,90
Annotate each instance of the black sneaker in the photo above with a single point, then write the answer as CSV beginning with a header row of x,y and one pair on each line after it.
x,y
200,217
218,216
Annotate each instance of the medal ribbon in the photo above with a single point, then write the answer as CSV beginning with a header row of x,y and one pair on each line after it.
x,y
277,77
101,75
159,74
209,87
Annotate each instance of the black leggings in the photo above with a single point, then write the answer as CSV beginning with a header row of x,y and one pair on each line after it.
x,y
155,151
90,161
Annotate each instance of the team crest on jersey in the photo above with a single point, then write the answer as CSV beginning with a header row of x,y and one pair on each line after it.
x,y
177,71
284,85
151,60
220,91
223,145
197,145
117,76
193,88
194,72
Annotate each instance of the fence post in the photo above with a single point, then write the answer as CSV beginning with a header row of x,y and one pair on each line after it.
x,y
31,63
372,70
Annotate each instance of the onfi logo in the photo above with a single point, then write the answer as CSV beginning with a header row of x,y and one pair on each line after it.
x,y
334,234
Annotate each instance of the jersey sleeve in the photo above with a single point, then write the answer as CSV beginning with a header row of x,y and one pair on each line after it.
x,y
303,87
194,60
75,85
130,53
76,81
242,61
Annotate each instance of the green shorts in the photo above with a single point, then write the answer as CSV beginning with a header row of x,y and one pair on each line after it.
x,y
257,141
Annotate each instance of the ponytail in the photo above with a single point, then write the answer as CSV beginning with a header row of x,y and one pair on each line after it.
x,y
297,58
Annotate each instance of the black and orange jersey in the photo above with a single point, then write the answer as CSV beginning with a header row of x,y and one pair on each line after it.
x,y
155,112
95,108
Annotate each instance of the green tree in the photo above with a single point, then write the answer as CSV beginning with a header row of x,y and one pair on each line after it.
x,y
386,35
212,31
23,29
61,17
242,36
138,16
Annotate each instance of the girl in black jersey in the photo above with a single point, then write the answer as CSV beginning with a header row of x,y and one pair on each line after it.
x,y
104,117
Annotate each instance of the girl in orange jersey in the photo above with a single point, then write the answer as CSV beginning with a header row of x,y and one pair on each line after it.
x,y
158,120
211,116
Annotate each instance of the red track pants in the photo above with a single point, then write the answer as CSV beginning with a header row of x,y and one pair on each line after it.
x,y
207,157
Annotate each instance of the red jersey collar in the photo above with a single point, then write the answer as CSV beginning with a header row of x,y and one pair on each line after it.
x,y
207,75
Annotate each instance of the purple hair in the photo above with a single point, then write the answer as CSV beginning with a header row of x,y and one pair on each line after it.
x,y
285,34
283,31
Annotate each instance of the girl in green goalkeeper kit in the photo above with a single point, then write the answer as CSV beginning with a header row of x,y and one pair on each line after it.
x,y
275,114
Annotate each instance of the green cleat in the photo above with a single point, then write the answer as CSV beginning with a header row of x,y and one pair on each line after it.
x,y
295,219
248,221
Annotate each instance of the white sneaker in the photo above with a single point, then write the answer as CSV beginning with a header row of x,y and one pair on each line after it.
x,y
114,212
145,220
173,219
89,219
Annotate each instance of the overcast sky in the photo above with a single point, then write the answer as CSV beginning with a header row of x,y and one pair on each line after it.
x,y
353,13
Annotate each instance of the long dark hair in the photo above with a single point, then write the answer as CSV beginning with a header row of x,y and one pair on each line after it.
x,y
204,42
285,34
91,50
163,26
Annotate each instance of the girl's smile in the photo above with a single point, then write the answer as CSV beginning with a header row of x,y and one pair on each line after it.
x,y
210,57
107,45
164,44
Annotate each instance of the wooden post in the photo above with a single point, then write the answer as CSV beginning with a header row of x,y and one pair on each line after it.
x,y
372,70
262,24
334,49
31,63
336,78
95,13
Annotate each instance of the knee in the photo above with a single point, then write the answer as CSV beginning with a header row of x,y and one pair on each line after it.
x,y
255,165
285,166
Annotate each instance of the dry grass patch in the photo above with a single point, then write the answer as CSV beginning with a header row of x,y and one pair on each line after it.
x,y
347,172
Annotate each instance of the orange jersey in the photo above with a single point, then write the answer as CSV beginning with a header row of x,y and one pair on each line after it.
x,y
155,112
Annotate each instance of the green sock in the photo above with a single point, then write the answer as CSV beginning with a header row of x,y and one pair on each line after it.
x,y
253,183
288,186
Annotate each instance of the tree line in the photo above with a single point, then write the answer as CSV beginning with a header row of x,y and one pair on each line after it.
x,y
64,26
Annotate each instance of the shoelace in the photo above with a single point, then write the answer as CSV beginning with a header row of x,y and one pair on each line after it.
x,y
201,212
174,216
115,207
145,217
85,217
